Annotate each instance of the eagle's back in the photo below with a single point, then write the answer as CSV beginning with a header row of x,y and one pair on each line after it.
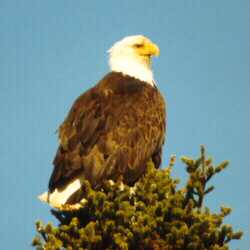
x,y
114,128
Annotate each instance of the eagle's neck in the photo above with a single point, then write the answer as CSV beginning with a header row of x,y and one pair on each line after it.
x,y
132,67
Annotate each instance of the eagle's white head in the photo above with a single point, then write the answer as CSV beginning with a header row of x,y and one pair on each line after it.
x,y
132,56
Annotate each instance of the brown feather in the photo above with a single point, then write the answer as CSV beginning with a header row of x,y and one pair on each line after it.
x,y
113,129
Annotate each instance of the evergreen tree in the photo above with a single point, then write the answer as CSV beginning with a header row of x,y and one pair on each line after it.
x,y
152,215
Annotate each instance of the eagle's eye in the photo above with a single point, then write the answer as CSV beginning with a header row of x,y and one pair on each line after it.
x,y
136,46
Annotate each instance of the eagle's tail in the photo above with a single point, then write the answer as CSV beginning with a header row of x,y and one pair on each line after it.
x,y
60,199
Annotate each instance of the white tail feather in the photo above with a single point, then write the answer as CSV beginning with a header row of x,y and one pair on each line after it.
x,y
57,199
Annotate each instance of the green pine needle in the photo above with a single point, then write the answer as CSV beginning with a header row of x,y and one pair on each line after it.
x,y
154,215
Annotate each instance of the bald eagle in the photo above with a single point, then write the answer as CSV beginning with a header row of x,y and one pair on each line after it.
x,y
112,129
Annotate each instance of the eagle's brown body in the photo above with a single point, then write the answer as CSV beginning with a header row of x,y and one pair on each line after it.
x,y
114,128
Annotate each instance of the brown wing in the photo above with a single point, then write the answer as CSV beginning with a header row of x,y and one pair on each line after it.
x,y
112,129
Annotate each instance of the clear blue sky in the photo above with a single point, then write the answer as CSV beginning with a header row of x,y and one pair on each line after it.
x,y
52,51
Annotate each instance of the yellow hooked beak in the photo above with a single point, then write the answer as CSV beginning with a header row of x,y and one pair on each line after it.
x,y
149,49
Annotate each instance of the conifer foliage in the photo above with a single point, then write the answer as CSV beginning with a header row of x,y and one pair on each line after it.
x,y
152,215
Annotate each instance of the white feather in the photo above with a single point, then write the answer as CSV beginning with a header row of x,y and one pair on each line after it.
x,y
56,199
123,58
